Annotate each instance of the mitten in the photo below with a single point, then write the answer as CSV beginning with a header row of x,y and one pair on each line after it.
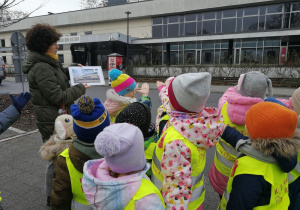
x,y
20,101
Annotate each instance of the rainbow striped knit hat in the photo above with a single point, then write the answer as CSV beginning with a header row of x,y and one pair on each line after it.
x,y
121,83
90,118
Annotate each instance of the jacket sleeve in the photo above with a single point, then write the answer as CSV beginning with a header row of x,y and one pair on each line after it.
x,y
7,117
247,192
149,202
146,100
164,97
224,97
73,93
48,84
61,195
176,170
232,136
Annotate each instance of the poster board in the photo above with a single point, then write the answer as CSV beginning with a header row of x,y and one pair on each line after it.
x,y
92,75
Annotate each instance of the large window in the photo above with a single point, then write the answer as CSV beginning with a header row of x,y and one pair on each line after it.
x,y
268,17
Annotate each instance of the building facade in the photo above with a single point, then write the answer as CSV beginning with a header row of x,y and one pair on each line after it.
x,y
173,32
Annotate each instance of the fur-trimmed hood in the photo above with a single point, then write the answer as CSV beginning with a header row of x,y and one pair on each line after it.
x,y
286,148
52,148
114,102
281,151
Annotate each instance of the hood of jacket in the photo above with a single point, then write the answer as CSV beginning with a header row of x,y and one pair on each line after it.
x,y
105,192
80,153
202,129
115,102
34,57
281,151
238,106
52,148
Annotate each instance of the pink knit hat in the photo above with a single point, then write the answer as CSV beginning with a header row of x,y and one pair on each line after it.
x,y
122,146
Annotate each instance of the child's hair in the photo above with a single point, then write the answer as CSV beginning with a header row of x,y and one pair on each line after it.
x,y
121,83
122,146
254,84
137,114
189,92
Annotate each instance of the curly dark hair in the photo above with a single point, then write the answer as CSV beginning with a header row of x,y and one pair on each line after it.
x,y
40,37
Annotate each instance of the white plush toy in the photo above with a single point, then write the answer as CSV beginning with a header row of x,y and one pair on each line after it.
x,y
61,140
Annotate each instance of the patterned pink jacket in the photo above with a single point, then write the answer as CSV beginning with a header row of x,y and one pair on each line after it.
x,y
203,130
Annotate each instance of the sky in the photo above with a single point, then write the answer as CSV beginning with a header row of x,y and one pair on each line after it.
x,y
54,6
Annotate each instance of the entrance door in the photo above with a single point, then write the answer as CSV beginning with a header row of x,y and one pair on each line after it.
x,y
237,56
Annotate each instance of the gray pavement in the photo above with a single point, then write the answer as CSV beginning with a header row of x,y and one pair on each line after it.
x,y
23,170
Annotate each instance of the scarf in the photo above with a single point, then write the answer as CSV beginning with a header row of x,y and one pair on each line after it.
x,y
54,56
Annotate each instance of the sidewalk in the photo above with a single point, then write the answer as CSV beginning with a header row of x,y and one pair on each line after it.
x,y
23,170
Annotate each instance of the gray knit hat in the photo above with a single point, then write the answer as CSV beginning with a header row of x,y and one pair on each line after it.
x,y
254,84
189,92
296,100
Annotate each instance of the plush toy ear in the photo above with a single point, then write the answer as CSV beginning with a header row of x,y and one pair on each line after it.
x,y
270,88
60,129
240,81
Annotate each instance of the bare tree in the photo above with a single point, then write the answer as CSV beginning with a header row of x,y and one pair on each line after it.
x,y
8,16
87,4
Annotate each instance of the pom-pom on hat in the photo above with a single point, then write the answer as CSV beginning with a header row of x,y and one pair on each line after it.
x,y
296,100
189,92
121,83
268,120
137,114
90,118
122,146
254,84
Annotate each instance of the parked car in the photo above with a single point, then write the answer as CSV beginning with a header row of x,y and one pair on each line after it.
x,y
2,69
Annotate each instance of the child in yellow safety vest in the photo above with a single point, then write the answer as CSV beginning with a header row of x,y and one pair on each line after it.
x,y
180,154
258,179
118,180
234,104
90,118
139,114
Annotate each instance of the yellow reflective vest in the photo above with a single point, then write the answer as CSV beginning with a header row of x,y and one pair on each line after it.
x,y
271,173
146,188
198,158
225,155
79,201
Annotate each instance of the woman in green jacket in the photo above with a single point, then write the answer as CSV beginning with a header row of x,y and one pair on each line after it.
x,y
48,83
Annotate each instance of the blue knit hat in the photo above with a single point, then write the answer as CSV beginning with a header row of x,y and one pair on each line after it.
x,y
90,118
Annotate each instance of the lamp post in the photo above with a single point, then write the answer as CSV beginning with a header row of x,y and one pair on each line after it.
x,y
127,47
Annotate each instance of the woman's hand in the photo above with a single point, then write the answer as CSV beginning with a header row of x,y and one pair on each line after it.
x,y
80,65
86,86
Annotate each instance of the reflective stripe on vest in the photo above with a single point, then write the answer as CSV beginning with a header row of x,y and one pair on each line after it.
x,y
198,157
146,188
79,201
225,153
272,173
295,173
